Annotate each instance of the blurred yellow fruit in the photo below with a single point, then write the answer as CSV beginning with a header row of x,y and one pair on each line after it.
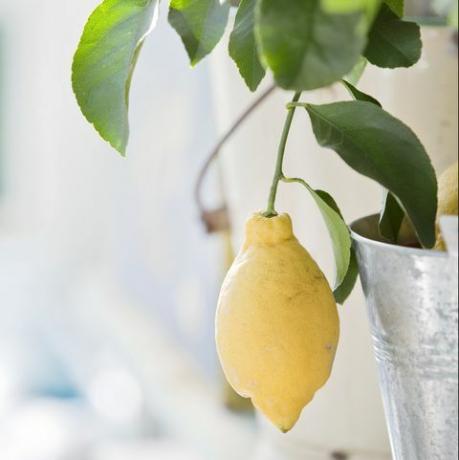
x,y
277,324
447,199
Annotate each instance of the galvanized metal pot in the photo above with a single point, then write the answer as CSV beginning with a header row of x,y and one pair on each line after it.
x,y
412,299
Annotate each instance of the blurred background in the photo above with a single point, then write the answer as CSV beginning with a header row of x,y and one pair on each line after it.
x,y
108,280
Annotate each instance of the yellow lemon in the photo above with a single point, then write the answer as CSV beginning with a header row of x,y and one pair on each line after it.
x,y
447,199
277,324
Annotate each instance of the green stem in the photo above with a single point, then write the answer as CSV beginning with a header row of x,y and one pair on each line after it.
x,y
278,172
297,180
296,104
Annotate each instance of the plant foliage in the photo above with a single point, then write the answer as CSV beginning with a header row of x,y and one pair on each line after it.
x,y
304,45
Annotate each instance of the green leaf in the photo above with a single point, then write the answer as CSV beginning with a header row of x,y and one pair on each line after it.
x,y
356,73
305,47
343,291
377,145
453,15
397,6
391,218
200,24
243,47
346,6
393,42
338,230
104,62
368,8
359,95
351,6
330,201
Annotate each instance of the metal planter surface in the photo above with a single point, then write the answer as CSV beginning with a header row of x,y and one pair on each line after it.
x,y
412,299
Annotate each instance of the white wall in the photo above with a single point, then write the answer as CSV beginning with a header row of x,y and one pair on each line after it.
x,y
83,226
68,189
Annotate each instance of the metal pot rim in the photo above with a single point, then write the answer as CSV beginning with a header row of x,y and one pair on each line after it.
x,y
359,236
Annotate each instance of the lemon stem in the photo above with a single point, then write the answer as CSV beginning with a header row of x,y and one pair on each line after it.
x,y
278,172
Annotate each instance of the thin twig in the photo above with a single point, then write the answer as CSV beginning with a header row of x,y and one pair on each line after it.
x,y
216,150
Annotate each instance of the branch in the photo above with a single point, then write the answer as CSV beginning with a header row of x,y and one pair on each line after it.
x,y
216,150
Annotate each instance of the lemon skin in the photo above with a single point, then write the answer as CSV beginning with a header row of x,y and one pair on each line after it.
x,y
447,199
277,324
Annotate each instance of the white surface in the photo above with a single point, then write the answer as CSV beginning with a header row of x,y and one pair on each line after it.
x,y
188,406
146,450
49,429
82,205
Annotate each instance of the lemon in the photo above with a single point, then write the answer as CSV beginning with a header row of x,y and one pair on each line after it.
x,y
447,199
277,324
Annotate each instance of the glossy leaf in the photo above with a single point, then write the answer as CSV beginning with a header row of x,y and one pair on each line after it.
x,y
359,95
368,7
397,6
391,217
393,42
344,290
104,62
346,281
243,47
348,6
357,71
200,24
337,228
305,47
381,147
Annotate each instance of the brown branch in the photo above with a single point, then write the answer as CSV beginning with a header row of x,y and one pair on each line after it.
x,y
216,150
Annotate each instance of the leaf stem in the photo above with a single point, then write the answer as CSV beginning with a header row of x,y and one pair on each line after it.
x,y
295,104
278,172
297,180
